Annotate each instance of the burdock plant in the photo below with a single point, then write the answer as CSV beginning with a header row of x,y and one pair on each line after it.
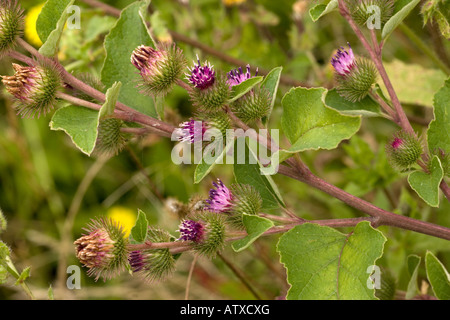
x,y
11,25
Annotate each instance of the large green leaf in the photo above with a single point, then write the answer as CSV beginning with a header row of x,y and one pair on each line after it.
x,y
128,33
50,25
438,276
249,172
255,227
427,184
310,124
324,264
80,124
49,16
413,83
438,134
402,10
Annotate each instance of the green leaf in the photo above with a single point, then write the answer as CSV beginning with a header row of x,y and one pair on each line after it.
x,y
367,107
310,124
50,293
80,124
249,172
204,168
53,15
112,94
438,134
413,83
3,274
427,185
255,227
49,16
128,33
438,276
271,82
320,10
23,276
244,87
139,231
324,264
413,268
402,10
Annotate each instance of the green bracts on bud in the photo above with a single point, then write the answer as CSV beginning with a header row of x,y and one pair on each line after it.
x,y
356,84
110,140
246,200
153,264
373,12
403,150
213,239
11,25
254,105
212,98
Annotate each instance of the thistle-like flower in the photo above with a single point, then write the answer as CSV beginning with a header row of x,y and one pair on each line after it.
x,y
212,234
201,77
159,68
403,150
254,105
11,25
35,88
191,230
237,76
136,260
354,76
103,250
192,131
220,199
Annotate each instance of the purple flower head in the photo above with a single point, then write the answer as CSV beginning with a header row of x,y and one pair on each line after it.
x,y
220,199
192,131
191,230
136,260
201,77
343,61
237,76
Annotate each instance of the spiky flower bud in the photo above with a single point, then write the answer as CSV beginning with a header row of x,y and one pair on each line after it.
x,y
35,88
403,150
237,76
11,25
218,120
213,236
110,140
153,264
364,11
191,230
241,199
354,76
159,68
254,105
212,97
103,250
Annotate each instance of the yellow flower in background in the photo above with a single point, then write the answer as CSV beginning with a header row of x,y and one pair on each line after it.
x,y
230,3
30,25
125,216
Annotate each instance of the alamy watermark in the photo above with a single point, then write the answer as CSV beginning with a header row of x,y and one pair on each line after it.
x,y
228,149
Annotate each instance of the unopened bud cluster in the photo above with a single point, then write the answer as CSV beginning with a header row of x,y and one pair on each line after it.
x,y
403,150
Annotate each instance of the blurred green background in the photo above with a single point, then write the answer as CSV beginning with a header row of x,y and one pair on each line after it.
x,y
47,186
